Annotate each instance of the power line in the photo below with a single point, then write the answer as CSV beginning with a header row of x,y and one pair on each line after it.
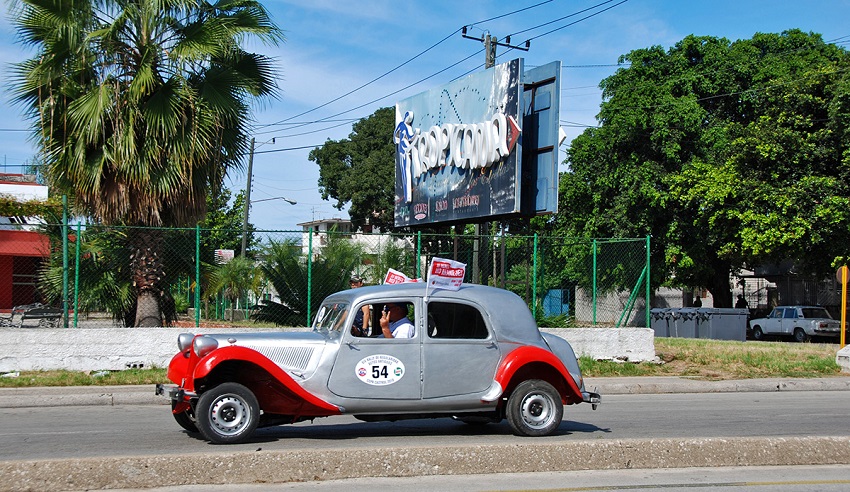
x,y
401,65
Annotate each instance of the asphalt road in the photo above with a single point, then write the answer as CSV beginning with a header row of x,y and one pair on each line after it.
x,y
128,430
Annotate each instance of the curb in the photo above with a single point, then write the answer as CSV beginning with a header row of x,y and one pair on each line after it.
x,y
144,395
275,467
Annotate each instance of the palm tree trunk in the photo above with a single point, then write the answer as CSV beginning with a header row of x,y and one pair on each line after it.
x,y
148,272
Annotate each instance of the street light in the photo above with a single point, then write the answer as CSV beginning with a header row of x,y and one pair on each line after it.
x,y
287,200
245,216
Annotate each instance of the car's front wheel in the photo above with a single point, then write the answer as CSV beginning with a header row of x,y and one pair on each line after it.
x,y
186,419
757,333
227,414
534,408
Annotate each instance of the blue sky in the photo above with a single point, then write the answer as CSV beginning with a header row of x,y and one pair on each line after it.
x,y
335,47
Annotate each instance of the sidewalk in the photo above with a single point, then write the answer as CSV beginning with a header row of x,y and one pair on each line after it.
x,y
144,395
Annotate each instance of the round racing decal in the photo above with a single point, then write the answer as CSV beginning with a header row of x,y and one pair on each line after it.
x,y
379,370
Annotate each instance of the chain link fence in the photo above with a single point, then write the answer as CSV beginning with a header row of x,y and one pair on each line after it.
x,y
105,276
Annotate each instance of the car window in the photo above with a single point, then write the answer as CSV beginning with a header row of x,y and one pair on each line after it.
x,y
790,313
816,313
377,310
451,320
777,313
330,317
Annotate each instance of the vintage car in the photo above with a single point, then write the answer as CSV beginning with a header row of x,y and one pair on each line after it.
x,y
475,355
798,322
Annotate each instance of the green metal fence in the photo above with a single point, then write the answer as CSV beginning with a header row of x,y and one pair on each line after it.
x,y
92,273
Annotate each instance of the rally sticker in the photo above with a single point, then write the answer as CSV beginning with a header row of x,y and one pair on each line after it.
x,y
379,370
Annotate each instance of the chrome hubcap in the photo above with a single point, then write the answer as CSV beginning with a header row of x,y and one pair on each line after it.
x,y
229,415
537,410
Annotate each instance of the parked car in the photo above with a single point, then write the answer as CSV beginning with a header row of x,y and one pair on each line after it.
x,y
798,322
475,355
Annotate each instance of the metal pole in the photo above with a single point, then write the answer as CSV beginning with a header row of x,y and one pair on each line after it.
x,y
65,260
534,280
418,254
247,198
309,274
593,294
648,290
197,275
77,276
843,305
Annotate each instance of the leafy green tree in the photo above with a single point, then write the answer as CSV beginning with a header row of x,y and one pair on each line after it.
x,y
235,279
222,224
139,108
105,278
361,170
730,154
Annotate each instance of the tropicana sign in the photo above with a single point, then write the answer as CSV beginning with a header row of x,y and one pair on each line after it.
x,y
465,146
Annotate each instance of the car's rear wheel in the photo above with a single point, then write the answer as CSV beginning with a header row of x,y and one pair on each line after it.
x,y
757,333
534,409
186,419
800,335
227,414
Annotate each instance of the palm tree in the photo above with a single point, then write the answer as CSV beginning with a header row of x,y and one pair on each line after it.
x,y
139,108
287,269
234,279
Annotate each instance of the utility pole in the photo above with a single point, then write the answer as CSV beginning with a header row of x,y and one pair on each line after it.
x,y
490,44
247,198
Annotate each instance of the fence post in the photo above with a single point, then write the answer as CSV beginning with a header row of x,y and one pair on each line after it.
x,y
593,293
65,260
197,275
418,254
648,291
534,280
309,276
77,276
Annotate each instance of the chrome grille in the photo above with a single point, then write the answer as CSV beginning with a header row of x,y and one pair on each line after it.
x,y
288,357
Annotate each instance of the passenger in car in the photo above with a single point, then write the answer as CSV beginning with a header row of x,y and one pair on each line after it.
x,y
360,326
394,322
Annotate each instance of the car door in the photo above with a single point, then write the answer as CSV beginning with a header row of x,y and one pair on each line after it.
x,y
459,352
773,323
376,367
789,321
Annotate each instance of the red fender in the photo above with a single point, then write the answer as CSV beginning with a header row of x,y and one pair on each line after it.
x,y
313,405
521,356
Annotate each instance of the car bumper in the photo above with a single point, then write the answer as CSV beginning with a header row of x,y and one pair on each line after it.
x,y
174,392
590,397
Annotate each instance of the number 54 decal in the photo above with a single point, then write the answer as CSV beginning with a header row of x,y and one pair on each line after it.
x,y
379,370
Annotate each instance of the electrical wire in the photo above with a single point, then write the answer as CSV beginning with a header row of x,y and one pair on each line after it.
x,y
398,67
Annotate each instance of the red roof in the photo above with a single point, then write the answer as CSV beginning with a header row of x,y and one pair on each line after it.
x,y
23,243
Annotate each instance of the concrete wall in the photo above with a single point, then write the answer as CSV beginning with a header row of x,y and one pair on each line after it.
x,y
92,349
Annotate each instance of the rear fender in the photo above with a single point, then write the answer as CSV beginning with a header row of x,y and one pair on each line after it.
x,y
537,363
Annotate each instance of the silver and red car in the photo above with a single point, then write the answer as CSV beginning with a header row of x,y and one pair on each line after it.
x,y
476,355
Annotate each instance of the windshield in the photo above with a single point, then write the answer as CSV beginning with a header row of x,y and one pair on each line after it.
x,y
816,313
330,317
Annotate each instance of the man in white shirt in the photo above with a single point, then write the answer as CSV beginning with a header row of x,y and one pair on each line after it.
x,y
394,322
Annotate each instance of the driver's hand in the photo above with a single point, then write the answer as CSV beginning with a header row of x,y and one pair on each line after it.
x,y
385,320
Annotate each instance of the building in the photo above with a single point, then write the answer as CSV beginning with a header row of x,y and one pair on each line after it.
x,y
22,248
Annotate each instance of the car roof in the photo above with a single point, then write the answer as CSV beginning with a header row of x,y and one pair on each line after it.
x,y
508,313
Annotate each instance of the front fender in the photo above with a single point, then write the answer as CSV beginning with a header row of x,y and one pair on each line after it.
x,y
313,405
523,356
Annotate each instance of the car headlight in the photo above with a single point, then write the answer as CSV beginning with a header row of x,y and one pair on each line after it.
x,y
184,341
204,345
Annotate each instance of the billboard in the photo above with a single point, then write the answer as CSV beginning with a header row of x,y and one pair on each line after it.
x,y
459,151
